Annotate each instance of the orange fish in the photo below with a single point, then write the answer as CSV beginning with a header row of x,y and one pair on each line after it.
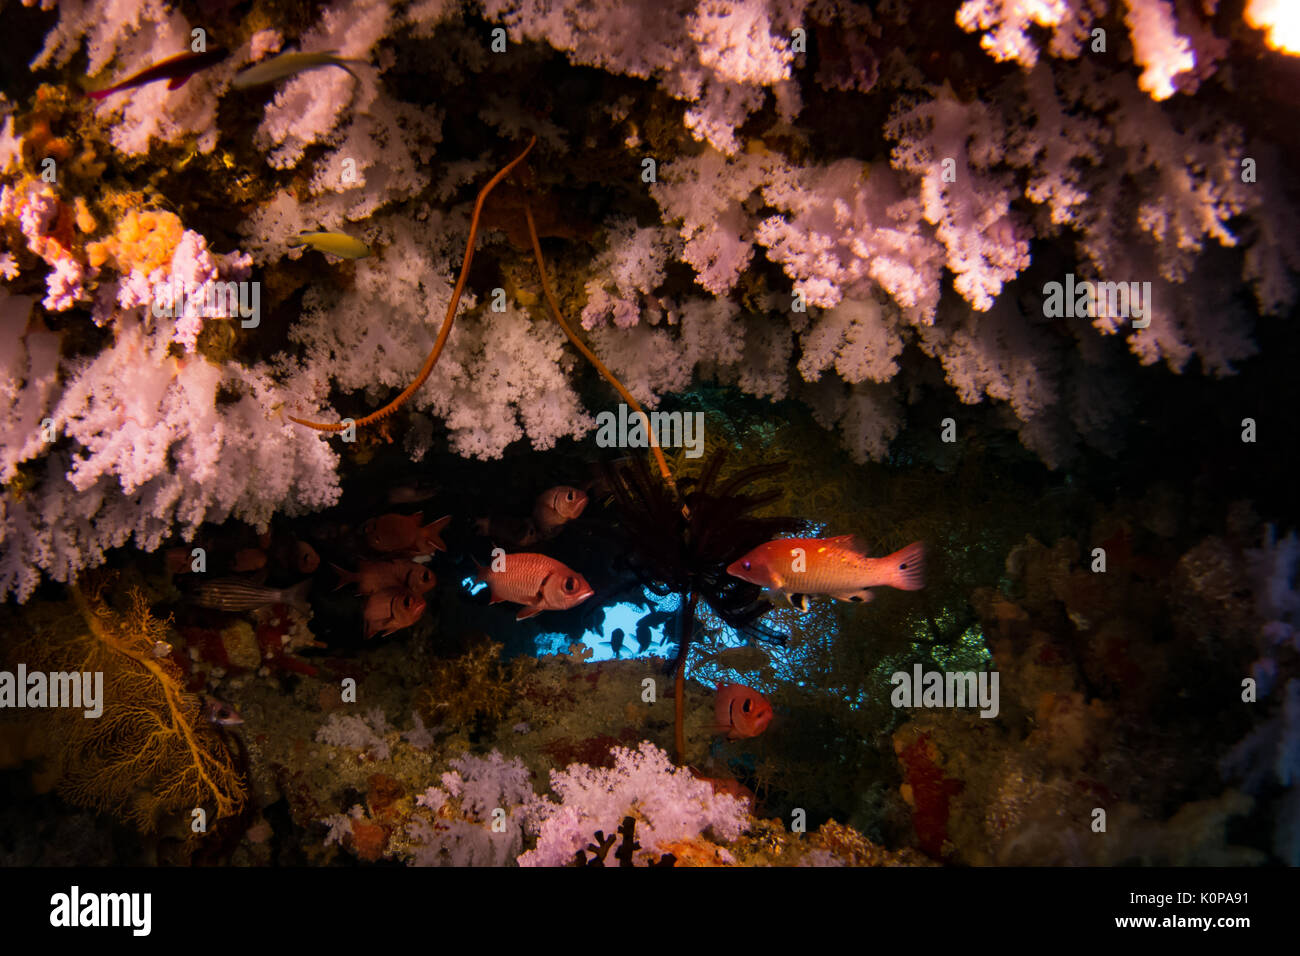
x,y
179,560
374,576
391,610
537,582
305,557
728,785
556,506
249,559
837,567
740,711
394,532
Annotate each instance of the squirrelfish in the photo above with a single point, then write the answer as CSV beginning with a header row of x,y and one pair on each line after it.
x,y
373,576
391,610
537,582
236,594
394,532
836,567
410,494
335,243
220,713
557,505
276,68
740,711
175,69
249,559
305,557
508,531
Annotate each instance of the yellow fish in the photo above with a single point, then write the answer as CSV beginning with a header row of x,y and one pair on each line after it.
x,y
277,68
335,243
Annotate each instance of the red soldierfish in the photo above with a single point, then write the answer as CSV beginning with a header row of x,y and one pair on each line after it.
x,y
373,576
249,559
740,711
557,505
837,567
537,582
220,713
305,557
175,69
391,610
403,533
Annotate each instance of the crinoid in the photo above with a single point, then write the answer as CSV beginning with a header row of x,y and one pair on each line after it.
x,y
682,543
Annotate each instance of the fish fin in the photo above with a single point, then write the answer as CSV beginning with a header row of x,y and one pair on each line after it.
x,y
850,542
481,572
176,82
434,531
860,596
100,94
528,611
797,600
297,595
906,567
346,577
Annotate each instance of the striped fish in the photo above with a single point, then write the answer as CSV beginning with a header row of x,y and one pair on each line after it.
x,y
236,594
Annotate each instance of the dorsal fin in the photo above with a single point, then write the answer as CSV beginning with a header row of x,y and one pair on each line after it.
x,y
849,542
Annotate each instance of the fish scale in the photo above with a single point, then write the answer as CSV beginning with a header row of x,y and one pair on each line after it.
x,y
830,568
522,577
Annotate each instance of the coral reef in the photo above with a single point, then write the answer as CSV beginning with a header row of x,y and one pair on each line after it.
x,y
949,272
901,239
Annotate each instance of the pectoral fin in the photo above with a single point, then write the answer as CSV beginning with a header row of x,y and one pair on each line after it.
x,y
176,82
795,599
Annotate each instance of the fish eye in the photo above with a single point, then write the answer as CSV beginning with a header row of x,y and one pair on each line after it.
x,y
570,584
745,565
568,495
746,705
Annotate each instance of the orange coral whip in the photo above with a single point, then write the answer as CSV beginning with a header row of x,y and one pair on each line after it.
x,y
445,331
591,356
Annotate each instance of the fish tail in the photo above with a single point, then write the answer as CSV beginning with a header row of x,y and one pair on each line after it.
x,y
906,567
346,577
296,596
